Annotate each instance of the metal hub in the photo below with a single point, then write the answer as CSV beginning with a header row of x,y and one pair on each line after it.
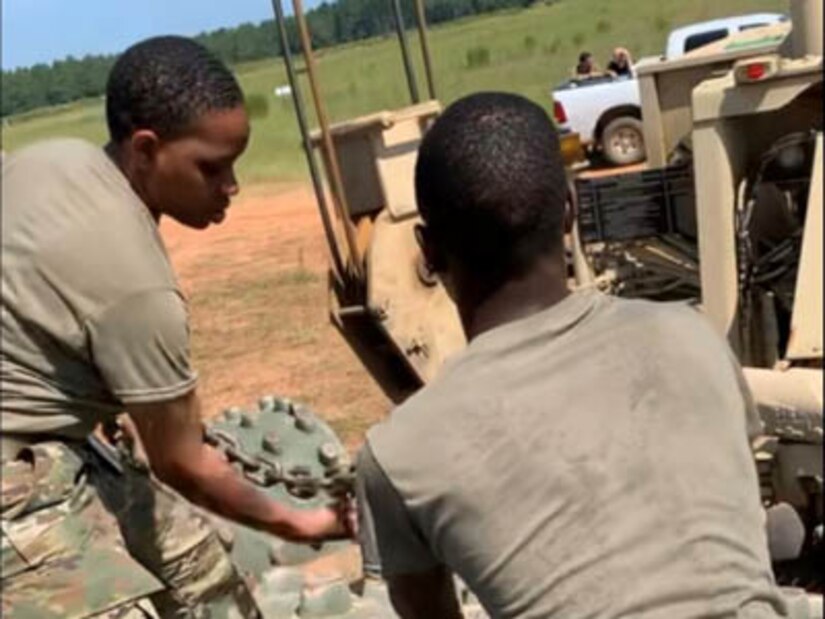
x,y
626,141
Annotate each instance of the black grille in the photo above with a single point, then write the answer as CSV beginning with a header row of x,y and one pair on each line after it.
x,y
637,205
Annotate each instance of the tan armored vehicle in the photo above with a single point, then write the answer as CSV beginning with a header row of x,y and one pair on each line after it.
x,y
727,216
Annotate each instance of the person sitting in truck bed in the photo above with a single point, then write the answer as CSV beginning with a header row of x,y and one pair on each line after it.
x,y
621,63
586,67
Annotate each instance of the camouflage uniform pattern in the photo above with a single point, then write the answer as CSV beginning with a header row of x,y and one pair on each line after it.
x,y
82,539
61,551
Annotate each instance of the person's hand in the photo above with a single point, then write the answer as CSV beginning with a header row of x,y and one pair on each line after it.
x,y
335,522
128,433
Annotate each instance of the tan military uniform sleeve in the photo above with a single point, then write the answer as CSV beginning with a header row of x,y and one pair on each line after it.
x,y
140,345
391,543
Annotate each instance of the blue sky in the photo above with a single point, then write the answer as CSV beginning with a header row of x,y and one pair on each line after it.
x,y
45,30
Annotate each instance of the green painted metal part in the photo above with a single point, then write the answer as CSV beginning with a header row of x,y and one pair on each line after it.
x,y
292,455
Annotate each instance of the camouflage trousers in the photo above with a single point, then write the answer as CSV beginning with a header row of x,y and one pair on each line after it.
x,y
83,537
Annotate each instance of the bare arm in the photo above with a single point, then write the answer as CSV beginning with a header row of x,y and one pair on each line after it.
x,y
424,595
172,437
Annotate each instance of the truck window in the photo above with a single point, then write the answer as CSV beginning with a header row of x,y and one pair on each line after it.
x,y
750,26
703,38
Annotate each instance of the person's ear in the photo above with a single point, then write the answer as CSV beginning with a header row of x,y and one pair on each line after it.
x,y
433,257
144,145
571,208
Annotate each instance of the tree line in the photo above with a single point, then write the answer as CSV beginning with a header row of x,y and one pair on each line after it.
x,y
70,79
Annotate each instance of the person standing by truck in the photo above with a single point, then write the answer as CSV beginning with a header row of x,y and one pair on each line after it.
x,y
94,324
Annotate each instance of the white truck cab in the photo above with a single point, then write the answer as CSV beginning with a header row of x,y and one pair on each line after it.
x,y
686,39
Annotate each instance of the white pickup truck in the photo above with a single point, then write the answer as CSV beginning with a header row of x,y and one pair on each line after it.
x,y
606,111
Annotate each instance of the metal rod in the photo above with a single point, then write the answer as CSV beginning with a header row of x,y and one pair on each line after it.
x,y
336,183
421,18
405,50
314,172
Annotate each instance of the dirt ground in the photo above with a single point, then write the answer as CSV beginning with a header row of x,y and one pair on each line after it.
x,y
257,294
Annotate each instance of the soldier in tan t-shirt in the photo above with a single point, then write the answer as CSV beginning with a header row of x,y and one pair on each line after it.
x,y
94,324
585,456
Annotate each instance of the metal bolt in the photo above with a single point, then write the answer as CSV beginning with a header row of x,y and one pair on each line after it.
x,y
304,422
271,443
247,421
328,454
267,404
232,415
278,405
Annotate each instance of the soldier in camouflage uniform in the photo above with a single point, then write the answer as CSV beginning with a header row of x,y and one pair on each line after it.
x,y
93,325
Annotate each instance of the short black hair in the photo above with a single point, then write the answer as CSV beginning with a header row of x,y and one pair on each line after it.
x,y
585,56
164,84
491,185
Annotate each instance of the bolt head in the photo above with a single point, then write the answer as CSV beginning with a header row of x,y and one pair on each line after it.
x,y
304,422
271,443
328,454
232,414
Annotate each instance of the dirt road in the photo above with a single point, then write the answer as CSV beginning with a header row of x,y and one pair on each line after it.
x,y
256,286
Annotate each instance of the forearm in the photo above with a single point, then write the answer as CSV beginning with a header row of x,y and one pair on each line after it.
x,y
212,483
172,436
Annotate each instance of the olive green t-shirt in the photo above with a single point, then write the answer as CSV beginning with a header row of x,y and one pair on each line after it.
x,y
591,460
92,316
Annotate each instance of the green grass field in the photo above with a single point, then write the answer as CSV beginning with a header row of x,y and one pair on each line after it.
x,y
525,51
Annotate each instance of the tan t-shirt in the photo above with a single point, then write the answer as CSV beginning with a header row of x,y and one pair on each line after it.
x,y
92,316
591,460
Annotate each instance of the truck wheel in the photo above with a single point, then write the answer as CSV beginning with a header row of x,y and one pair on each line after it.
x,y
623,141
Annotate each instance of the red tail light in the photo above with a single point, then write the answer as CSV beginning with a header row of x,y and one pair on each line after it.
x,y
756,71
558,113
